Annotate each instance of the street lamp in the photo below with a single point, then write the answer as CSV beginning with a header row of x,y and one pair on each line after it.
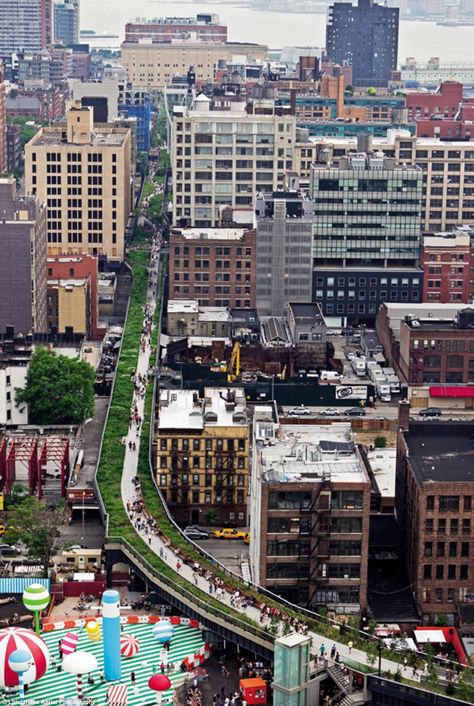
x,y
379,648
83,499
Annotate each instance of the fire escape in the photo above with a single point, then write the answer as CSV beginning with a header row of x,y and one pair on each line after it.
x,y
319,520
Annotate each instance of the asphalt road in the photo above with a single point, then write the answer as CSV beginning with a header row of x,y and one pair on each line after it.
x,y
229,552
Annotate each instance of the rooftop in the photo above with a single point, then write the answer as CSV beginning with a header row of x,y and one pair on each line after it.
x,y
383,463
441,451
396,313
298,453
210,233
53,136
214,313
183,306
306,313
184,409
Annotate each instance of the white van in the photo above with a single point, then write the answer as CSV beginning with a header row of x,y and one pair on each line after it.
x,y
330,376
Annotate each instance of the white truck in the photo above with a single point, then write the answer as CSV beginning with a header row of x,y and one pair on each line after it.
x,y
375,372
394,383
358,365
383,389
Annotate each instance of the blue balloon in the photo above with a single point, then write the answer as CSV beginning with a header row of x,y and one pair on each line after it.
x,y
163,631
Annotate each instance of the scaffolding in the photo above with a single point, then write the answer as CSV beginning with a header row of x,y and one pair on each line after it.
x,y
29,460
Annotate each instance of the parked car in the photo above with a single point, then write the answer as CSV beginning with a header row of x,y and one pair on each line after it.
x,y
195,533
300,411
355,412
8,550
229,533
330,412
330,376
430,412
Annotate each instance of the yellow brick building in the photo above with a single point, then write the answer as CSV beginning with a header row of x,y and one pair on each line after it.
x,y
203,454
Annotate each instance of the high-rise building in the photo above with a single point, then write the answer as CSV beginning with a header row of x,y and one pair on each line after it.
x,y
66,22
23,242
225,157
25,25
82,172
284,269
309,515
366,235
366,36
3,125
434,500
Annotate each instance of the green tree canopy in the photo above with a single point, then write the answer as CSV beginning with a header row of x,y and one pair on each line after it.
x,y
34,524
59,390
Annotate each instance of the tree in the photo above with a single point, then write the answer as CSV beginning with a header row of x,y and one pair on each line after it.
x,y
34,524
380,442
211,516
58,390
466,685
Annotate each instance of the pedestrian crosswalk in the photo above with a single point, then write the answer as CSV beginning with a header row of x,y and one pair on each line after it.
x,y
57,686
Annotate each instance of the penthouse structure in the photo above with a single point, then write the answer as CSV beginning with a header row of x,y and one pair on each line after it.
x,y
309,514
202,454
205,27
82,172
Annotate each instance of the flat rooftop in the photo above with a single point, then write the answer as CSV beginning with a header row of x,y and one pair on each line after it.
x,y
183,306
298,453
306,313
53,137
210,233
441,451
383,464
220,407
434,325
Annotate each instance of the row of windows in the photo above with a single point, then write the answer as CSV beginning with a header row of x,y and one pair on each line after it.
x,y
442,527
340,500
198,479
449,503
441,572
217,462
207,498
452,549
183,444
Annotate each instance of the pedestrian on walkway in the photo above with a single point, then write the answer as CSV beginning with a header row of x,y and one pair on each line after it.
x,y
350,644
333,651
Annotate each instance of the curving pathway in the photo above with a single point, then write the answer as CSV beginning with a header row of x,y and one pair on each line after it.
x,y
130,494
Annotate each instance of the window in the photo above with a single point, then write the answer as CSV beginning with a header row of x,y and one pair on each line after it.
x,y
442,526
449,503
453,549
430,502
346,500
438,595
454,526
440,549
439,572
427,571
452,571
429,525
467,503
428,548
465,549
466,526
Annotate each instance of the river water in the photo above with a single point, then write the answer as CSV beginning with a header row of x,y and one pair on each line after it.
x,y
276,29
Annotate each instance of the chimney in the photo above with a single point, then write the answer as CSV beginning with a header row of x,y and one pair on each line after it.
x,y
404,415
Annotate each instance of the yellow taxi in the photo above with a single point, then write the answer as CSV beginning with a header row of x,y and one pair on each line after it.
x,y
229,533
247,539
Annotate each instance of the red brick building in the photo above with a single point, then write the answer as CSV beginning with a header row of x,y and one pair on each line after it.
x,y
206,27
444,102
79,267
437,351
215,266
446,260
434,500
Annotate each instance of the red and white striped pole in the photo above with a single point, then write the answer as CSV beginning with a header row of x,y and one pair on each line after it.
x,y
79,687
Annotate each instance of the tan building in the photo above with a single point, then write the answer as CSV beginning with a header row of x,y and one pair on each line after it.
x,y
153,66
448,170
82,173
224,157
203,455
187,318
69,305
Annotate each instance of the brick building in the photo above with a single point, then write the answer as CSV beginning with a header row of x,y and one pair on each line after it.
x,y
214,266
203,454
205,27
444,102
309,515
434,496
3,125
445,258
437,351
78,268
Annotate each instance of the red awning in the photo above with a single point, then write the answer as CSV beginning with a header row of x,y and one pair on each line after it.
x,y
452,391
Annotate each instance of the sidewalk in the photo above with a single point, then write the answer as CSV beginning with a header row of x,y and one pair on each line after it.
x,y
130,495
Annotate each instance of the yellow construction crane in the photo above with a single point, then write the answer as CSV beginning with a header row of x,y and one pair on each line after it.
x,y
233,368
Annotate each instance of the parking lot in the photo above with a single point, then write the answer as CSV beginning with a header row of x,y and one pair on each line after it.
x,y
230,553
